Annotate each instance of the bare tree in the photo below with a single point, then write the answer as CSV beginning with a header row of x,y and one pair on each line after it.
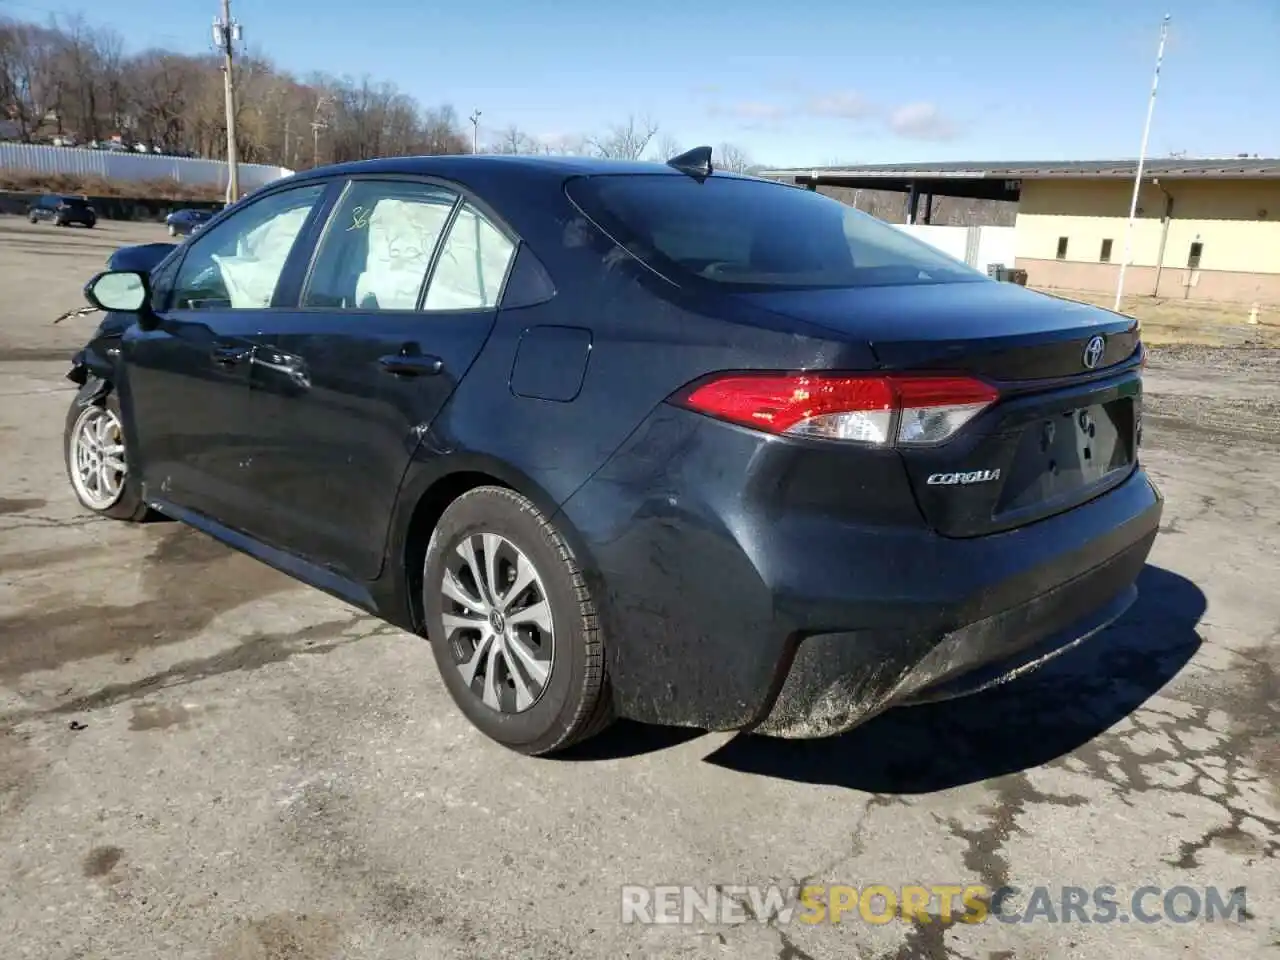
x,y
71,77
515,140
626,141
566,145
668,147
732,158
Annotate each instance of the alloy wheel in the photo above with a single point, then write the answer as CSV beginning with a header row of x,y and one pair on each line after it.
x,y
98,467
498,622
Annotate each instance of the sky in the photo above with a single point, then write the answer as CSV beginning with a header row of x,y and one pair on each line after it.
x,y
801,84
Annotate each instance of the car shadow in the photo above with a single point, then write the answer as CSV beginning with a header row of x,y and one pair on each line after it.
x,y
1022,724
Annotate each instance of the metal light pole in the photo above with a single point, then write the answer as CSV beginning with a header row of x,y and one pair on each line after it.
x,y
475,131
225,33
1142,156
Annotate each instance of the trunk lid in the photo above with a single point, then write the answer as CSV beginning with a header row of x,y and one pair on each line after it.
x,y
1067,425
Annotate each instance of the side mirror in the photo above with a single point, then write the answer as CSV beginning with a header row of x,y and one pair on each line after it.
x,y
124,291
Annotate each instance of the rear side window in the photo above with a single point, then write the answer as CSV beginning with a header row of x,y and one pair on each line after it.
x,y
757,235
473,264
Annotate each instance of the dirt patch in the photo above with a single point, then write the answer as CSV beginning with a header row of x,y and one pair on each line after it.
x,y
101,861
250,654
10,505
36,559
17,772
158,716
189,580
35,354
1201,322
284,936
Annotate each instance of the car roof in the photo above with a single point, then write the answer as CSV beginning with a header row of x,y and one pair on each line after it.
x,y
461,166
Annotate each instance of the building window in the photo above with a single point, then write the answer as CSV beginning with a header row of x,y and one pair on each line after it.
x,y
1062,248
1105,255
1193,258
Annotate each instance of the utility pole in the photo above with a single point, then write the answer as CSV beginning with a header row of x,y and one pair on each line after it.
x,y
226,32
475,131
1142,156
317,124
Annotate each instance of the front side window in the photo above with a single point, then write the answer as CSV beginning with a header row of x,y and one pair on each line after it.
x,y
237,264
472,266
378,245
756,235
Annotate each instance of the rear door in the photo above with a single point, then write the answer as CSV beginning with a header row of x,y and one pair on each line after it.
x,y
185,393
398,302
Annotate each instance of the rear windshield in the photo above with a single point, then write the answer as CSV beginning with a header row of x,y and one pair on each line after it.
x,y
757,235
75,202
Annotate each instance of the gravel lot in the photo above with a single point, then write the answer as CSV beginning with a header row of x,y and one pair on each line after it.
x,y
200,758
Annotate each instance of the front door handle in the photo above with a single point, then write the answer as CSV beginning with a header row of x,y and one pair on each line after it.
x,y
228,356
412,364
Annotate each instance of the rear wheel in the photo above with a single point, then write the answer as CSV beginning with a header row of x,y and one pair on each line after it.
x,y
93,444
513,625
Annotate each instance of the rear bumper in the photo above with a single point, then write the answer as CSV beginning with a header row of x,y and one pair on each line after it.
x,y
838,680
734,595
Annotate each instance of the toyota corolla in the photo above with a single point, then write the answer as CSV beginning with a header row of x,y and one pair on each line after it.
x,y
630,439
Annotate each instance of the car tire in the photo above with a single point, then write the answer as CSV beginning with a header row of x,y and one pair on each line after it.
x,y
173,231
90,224
531,675
100,421
33,218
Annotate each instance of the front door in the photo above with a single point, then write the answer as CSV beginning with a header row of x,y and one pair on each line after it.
x,y
399,301
186,387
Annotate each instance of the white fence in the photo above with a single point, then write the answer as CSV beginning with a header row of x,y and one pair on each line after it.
x,y
119,165
977,246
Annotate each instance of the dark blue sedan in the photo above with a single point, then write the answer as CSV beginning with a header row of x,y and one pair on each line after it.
x,y
631,439
182,223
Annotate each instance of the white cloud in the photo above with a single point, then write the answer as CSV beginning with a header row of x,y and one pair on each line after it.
x,y
921,121
847,105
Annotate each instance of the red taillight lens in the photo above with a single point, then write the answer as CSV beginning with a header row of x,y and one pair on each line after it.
x,y
896,409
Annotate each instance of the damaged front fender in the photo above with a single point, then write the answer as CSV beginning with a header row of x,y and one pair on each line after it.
x,y
92,390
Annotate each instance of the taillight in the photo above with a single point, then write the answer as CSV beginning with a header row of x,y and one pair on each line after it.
x,y
888,410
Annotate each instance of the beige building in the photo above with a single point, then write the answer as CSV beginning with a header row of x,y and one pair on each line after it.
x,y
1196,238
1206,229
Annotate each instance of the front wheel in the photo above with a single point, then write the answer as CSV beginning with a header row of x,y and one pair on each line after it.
x,y
93,445
513,625
173,231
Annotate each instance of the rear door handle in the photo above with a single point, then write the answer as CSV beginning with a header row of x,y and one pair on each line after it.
x,y
231,355
412,364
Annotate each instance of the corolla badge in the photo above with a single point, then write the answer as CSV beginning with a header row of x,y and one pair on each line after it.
x,y
1093,351
971,476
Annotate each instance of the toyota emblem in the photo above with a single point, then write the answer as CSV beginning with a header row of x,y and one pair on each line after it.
x,y
1093,351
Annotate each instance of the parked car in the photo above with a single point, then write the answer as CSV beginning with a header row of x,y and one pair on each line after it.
x,y
186,222
631,438
63,211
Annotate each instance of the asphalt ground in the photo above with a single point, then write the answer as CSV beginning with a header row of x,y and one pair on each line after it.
x,y
201,758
